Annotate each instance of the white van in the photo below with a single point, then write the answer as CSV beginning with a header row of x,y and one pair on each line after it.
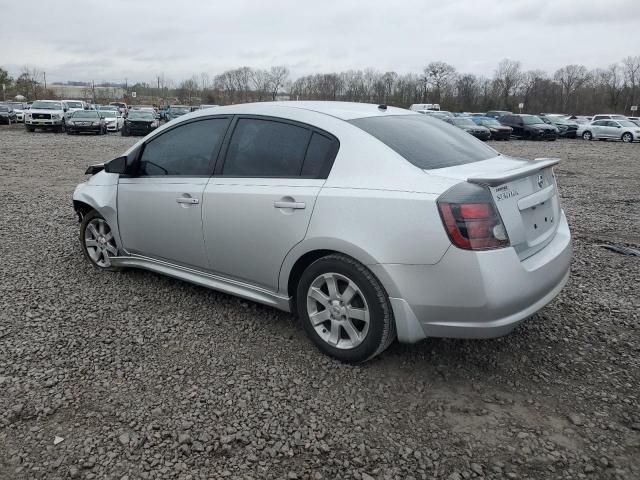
x,y
425,106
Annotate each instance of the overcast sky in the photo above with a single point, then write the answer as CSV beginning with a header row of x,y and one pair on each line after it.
x,y
137,40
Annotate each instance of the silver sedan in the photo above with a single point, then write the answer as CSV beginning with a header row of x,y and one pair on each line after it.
x,y
371,223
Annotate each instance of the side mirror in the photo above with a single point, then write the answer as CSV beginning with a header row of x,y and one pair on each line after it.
x,y
117,165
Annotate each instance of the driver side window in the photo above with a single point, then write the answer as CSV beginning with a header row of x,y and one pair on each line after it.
x,y
187,150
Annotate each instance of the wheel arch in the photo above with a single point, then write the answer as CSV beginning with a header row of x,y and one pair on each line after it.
x,y
307,252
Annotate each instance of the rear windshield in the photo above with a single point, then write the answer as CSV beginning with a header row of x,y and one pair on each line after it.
x,y
426,142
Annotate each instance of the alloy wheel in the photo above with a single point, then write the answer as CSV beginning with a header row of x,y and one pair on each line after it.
x,y
586,135
627,138
338,310
99,242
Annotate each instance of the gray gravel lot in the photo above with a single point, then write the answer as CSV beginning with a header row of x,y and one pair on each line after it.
x,y
143,376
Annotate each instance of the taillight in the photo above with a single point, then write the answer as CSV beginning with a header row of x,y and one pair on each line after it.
x,y
471,219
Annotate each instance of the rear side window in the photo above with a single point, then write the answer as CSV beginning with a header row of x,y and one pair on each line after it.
x,y
426,142
185,150
266,148
320,154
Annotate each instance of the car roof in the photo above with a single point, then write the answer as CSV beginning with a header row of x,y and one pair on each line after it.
x,y
340,110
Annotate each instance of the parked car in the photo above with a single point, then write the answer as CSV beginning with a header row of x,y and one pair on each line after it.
x,y
7,114
529,127
139,122
469,126
175,111
202,107
566,128
112,118
624,130
635,120
123,107
19,108
424,106
497,113
579,119
325,209
608,116
47,115
497,130
86,121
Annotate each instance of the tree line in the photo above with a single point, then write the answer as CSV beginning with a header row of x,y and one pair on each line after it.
x,y
572,88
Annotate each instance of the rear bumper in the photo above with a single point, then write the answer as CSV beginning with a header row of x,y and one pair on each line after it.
x,y
475,294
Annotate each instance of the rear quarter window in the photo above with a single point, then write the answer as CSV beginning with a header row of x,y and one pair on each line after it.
x,y
427,143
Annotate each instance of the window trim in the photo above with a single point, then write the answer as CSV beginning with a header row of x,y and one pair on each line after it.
x,y
324,173
135,163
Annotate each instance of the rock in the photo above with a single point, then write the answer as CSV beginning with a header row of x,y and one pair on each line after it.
x,y
454,476
74,472
366,476
57,440
124,438
184,439
477,468
576,419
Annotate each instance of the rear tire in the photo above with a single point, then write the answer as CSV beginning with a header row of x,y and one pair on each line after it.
x,y
344,309
587,135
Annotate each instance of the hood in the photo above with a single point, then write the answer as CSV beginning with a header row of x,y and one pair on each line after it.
x,y
43,110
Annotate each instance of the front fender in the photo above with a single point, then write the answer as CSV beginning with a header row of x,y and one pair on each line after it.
x,y
103,199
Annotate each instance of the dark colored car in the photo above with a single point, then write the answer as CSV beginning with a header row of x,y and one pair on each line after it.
x,y
139,122
498,131
175,111
86,121
566,128
469,126
497,113
7,114
529,127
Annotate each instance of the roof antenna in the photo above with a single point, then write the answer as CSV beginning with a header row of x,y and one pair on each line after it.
x,y
382,107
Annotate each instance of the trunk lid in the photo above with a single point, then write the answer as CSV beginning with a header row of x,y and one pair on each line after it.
x,y
525,194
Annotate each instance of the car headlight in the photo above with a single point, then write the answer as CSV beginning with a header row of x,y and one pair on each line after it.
x,y
154,124
95,124
55,116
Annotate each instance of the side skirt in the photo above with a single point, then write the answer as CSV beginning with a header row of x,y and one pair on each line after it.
x,y
204,279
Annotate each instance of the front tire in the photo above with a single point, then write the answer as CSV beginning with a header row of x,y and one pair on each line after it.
x,y
627,137
97,241
587,135
344,309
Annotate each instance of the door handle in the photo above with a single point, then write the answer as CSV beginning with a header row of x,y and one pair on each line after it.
x,y
189,200
293,205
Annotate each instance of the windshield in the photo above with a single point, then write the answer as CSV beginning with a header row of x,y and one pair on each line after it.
x,y
531,119
3,108
463,122
426,142
47,105
108,113
74,104
109,109
85,114
141,115
490,122
627,123
179,109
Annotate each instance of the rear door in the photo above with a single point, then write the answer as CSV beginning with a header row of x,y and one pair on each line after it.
x,y
259,203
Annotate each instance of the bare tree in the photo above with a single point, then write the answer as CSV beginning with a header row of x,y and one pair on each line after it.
x,y
278,77
631,66
571,78
507,78
439,76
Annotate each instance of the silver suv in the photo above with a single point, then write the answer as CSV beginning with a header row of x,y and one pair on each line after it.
x,y
371,223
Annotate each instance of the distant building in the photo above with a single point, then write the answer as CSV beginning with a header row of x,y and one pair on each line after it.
x,y
86,92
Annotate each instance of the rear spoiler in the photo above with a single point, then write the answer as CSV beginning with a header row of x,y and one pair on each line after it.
x,y
503,177
93,169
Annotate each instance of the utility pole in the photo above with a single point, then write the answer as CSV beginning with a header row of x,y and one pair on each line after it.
x,y
45,80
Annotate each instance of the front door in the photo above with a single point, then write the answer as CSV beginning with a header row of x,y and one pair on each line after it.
x,y
160,206
258,206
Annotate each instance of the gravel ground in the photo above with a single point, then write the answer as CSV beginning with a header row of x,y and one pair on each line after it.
x,y
134,375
